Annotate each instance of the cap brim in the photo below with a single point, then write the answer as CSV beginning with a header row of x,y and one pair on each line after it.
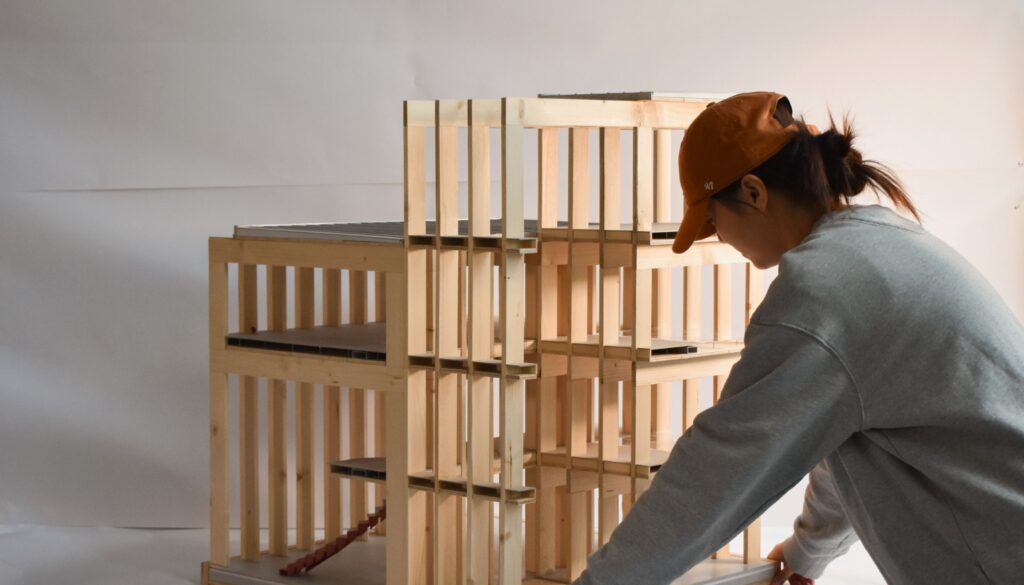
x,y
693,227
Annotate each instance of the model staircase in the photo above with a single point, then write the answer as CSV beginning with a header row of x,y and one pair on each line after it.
x,y
307,563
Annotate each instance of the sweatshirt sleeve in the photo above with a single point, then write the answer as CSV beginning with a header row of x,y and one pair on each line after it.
x,y
821,532
787,403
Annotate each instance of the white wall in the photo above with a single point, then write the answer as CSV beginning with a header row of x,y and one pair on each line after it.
x,y
130,131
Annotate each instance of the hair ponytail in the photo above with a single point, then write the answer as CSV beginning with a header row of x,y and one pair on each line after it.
x,y
848,174
824,171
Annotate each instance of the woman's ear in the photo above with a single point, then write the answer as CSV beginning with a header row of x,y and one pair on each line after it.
x,y
754,192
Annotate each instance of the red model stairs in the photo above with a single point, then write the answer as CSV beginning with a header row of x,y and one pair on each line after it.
x,y
307,563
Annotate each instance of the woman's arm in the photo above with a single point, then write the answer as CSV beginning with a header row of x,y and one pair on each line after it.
x,y
787,403
821,532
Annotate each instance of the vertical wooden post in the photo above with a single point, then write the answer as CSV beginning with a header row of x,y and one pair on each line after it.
x,y
543,530
357,402
723,314
277,456
578,390
332,414
641,406
691,331
304,524
511,314
248,404
480,341
219,487
405,419
379,441
608,398
662,287
446,334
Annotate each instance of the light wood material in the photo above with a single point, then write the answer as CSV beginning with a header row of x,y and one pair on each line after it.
x,y
307,254
577,514
219,487
277,456
691,331
476,554
512,313
357,315
567,322
248,430
379,440
304,522
331,412
662,286
446,336
608,408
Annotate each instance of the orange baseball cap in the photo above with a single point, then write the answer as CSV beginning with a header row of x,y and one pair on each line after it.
x,y
728,139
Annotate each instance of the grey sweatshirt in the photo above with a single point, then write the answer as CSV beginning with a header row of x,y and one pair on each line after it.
x,y
882,363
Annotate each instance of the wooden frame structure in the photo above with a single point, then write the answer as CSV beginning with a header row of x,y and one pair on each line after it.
x,y
508,382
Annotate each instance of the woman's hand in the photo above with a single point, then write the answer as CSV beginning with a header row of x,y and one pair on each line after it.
x,y
785,573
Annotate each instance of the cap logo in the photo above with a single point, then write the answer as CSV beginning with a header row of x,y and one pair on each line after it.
x,y
709,186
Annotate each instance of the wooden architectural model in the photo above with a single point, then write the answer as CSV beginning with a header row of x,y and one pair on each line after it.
x,y
505,384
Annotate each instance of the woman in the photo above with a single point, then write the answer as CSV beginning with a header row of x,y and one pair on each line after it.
x,y
880,362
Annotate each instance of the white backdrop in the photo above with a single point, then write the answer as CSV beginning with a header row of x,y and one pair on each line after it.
x,y
132,130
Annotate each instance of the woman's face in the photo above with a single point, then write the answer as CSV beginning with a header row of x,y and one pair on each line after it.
x,y
760,231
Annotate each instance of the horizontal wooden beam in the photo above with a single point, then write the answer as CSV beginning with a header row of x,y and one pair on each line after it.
x,y
309,254
419,113
553,112
453,113
560,112
312,369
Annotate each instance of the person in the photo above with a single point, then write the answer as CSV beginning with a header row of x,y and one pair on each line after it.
x,y
880,363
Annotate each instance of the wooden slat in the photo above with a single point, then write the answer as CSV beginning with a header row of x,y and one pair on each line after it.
x,y
313,369
752,542
723,301
304,524
579,177
446,333
643,178
547,177
379,436
512,313
341,254
555,112
701,253
608,408
543,530
531,419
357,290
405,427
415,168
248,429
476,550
662,286
723,314
420,113
331,412
574,534
512,224
277,456
219,486
692,332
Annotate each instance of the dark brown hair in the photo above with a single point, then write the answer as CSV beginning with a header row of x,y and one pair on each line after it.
x,y
822,171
